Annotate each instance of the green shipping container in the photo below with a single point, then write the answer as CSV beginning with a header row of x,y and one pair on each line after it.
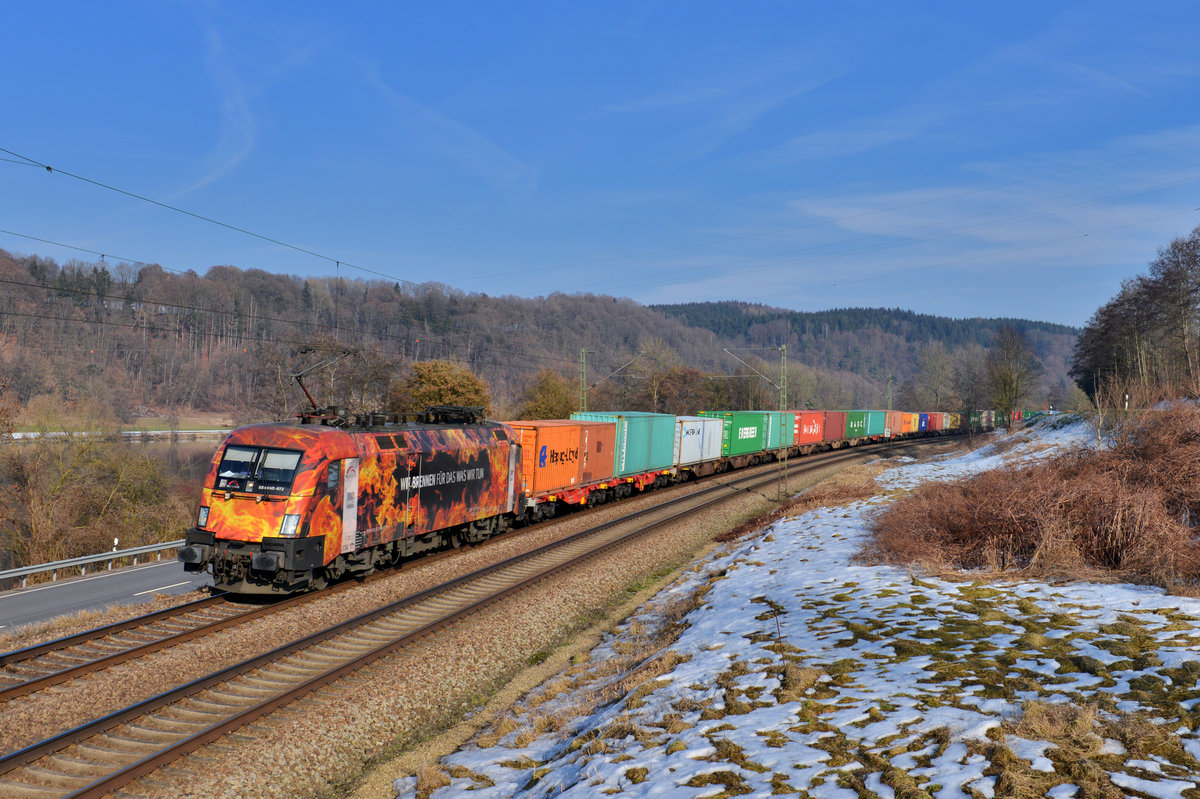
x,y
876,422
856,424
975,420
745,431
781,429
645,441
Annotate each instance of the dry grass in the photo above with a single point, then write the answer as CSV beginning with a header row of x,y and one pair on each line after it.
x,y
631,675
1127,512
429,779
1070,727
1078,734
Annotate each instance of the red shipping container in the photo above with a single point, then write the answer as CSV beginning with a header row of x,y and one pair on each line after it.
x,y
810,426
893,423
598,443
937,421
835,426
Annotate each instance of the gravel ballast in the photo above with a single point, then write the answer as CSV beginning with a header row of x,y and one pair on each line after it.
x,y
320,742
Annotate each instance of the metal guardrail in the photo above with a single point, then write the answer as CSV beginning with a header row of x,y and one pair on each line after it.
x,y
127,434
83,562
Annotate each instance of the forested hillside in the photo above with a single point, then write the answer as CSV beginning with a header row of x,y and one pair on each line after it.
x,y
138,338
874,343
1144,343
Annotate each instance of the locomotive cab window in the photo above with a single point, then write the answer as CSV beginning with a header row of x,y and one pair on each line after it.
x,y
259,470
237,463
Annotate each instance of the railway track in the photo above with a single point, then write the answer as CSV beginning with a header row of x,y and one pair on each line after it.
x,y
97,758
34,668
40,666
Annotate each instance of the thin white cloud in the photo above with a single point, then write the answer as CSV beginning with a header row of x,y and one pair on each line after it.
x,y
720,84
238,130
289,47
1031,196
1040,71
730,99
434,132
862,135
741,114
1083,220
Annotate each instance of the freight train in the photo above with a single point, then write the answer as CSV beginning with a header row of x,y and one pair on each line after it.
x,y
292,507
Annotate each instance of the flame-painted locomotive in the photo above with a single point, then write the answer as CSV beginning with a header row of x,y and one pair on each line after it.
x,y
290,507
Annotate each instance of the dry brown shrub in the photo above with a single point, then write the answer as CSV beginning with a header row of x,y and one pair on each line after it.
x,y
1128,511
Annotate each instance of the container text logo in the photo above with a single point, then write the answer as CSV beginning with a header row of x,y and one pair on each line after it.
x,y
556,456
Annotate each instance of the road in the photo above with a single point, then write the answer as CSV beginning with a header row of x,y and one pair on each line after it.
x,y
128,586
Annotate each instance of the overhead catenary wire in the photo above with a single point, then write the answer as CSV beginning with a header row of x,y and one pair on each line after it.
x,y
20,159
202,217
29,161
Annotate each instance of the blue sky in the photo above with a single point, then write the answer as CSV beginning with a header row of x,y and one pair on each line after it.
x,y
1015,159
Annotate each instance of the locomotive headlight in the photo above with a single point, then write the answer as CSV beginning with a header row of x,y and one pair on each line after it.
x,y
202,517
291,521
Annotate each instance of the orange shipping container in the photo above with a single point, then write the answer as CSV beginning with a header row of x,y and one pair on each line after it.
x,y
558,454
912,422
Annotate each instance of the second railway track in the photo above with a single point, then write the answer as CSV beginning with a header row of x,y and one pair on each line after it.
x,y
40,666
97,758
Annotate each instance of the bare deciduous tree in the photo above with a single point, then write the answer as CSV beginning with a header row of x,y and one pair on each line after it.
x,y
935,376
1012,371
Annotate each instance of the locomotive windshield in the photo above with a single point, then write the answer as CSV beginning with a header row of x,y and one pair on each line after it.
x,y
257,469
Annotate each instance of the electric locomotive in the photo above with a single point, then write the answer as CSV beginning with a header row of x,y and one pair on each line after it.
x,y
291,507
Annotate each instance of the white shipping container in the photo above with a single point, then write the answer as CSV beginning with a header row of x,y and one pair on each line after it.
x,y
697,439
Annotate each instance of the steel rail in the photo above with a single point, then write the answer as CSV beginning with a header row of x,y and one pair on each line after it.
x,y
57,649
195,740
56,676
173,752
18,655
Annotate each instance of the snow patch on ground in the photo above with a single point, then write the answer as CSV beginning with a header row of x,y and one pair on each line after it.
x,y
805,671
